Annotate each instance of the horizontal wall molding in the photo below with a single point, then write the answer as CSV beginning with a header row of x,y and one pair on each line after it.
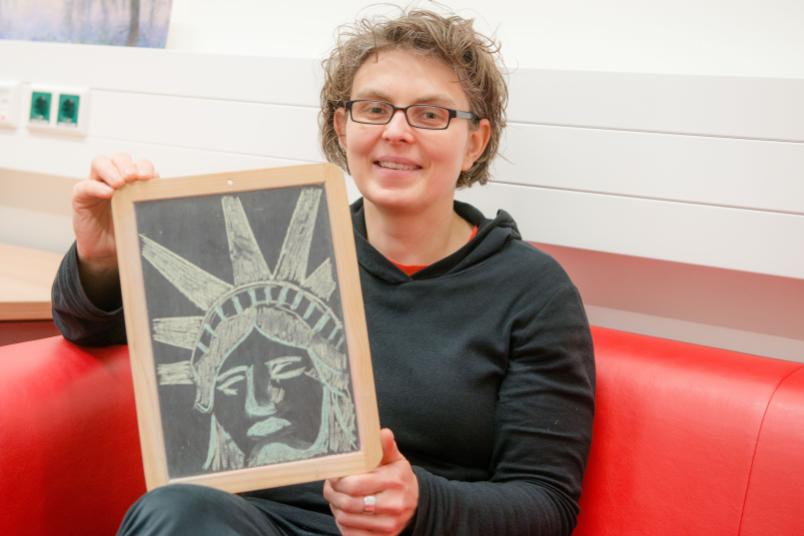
x,y
73,158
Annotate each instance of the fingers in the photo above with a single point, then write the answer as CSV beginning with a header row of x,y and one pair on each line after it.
x,y
393,486
389,518
120,169
342,501
390,452
146,170
346,531
355,524
364,484
87,189
389,474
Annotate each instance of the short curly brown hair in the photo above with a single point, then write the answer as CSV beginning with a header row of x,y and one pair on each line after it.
x,y
452,39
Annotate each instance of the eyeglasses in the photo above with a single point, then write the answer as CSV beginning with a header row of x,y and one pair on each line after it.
x,y
426,116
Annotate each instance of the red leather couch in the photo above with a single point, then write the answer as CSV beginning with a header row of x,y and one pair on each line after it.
x,y
687,440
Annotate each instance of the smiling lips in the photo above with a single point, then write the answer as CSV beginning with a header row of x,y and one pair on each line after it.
x,y
397,164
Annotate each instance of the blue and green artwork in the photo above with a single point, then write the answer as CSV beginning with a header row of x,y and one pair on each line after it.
x,y
136,23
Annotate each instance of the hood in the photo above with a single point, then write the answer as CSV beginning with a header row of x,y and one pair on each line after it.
x,y
492,236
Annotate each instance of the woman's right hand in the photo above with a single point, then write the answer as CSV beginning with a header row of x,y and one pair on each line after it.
x,y
92,211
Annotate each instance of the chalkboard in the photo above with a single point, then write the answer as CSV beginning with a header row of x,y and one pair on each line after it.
x,y
246,328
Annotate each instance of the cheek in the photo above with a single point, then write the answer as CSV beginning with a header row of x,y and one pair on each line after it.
x,y
359,146
451,152
351,137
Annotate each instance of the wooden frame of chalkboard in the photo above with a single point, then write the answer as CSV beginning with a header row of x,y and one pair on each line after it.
x,y
246,328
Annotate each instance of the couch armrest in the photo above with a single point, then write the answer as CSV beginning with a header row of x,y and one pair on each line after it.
x,y
68,464
775,498
675,439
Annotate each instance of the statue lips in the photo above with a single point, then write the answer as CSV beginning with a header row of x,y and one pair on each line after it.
x,y
267,427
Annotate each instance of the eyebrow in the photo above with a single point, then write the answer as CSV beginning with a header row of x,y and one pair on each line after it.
x,y
232,371
437,99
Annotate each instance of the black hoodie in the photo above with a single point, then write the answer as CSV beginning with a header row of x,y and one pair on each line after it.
x,y
484,371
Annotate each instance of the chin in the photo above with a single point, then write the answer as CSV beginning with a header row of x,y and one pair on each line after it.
x,y
392,198
275,452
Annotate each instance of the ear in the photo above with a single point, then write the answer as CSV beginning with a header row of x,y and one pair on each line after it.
x,y
339,122
476,144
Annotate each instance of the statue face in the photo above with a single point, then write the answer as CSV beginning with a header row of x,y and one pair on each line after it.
x,y
268,398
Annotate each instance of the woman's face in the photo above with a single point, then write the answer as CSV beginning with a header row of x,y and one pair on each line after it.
x,y
399,167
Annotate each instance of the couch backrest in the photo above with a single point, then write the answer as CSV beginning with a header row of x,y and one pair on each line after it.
x,y
693,440
69,447
687,440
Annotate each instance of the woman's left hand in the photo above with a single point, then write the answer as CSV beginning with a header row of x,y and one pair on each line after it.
x,y
382,501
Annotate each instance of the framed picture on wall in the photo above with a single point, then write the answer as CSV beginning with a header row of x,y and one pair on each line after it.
x,y
246,328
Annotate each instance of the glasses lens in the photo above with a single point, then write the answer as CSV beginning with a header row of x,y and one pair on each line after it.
x,y
428,116
366,111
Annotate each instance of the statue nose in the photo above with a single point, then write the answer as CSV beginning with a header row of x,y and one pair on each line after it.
x,y
261,402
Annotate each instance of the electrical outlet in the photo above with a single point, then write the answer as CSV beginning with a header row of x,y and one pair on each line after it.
x,y
59,109
68,110
9,103
40,108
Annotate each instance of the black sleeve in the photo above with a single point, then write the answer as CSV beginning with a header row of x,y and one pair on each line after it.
x,y
543,431
78,319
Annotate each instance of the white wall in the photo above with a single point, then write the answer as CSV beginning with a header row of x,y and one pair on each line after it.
x,y
710,37
675,199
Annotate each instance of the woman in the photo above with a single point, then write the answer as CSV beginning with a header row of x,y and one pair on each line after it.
x,y
480,347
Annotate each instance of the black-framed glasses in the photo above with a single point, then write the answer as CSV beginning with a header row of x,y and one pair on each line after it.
x,y
426,116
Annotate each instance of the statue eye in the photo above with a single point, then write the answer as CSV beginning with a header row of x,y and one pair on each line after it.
x,y
229,382
230,385
285,367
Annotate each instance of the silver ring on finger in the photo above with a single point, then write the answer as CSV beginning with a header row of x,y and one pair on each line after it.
x,y
369,504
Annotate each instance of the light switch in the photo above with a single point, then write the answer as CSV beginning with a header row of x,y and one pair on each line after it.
x,y
9,103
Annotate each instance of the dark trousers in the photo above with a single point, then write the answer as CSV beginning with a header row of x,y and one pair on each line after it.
x,y
201,511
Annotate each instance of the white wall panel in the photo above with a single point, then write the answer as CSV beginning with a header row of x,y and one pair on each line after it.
x,y
32,228
741,107
698,169
746,38
278,131
164,72
752,241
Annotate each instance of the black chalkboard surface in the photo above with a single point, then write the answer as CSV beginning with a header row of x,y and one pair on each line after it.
x,y
246,328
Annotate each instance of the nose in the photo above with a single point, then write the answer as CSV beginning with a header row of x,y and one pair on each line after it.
x,y
398,128
257,405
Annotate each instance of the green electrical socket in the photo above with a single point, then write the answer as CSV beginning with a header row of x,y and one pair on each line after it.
x,y
40,106
68,110
59,109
